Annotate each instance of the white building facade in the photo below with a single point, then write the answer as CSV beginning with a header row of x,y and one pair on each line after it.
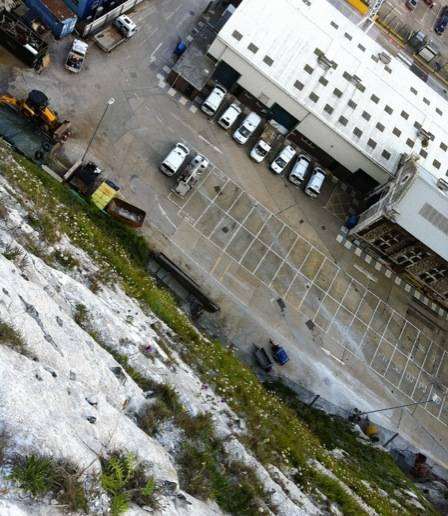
x,y
330,82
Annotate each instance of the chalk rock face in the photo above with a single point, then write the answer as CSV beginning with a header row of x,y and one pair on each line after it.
x,y
65,396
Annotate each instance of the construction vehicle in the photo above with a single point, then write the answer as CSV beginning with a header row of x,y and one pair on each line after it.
x,y
88,180
22,41
35,109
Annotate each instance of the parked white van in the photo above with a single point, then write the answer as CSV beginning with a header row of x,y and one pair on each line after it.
x,y
315,182
175,159
247,128
300,170
228,118
213,101
281,161
125,25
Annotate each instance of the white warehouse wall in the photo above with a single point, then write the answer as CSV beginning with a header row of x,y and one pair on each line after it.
x,y
311,127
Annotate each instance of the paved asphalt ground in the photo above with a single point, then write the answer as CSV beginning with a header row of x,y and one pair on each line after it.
x,y
248,236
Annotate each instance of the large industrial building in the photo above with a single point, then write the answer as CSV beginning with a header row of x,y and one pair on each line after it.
x,y
332,87
360,111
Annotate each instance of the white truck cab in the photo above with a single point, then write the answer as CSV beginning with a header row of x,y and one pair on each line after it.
x,y
281,161
175,159
247,128
125,25
213,101
300,169
315,182
264,145
228,118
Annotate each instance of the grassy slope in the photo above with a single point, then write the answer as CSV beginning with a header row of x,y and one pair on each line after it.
x,y
278,432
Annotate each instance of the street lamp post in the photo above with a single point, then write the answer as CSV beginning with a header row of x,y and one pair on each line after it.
x,y
434,399
109,103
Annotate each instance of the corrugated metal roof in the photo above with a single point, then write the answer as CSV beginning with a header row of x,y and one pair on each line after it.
x,y
378,106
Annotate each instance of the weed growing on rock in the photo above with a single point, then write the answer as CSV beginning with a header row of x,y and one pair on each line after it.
x,y
12,252
126,482
4,443
12,338
35,474
65,259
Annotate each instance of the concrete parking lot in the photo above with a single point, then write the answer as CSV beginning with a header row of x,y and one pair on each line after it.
x,y
249,237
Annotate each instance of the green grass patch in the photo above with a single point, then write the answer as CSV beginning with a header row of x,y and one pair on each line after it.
x,y
277,433
13,339
125,481
41,475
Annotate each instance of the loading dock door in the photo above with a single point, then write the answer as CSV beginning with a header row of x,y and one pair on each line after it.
x,y
226,75
281,116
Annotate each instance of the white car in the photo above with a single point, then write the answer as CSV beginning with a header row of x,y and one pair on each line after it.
x,y
228,118
247,128
175,159
300,170
213,101
125,25
315,182
281,161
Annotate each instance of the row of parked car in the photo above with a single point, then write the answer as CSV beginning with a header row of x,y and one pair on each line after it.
x,y
302,171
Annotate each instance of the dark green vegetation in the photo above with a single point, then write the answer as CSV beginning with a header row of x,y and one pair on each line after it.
x,y
12,338
125,481
41,475
277,432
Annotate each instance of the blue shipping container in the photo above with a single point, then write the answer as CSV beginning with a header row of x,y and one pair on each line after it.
x,y
55,15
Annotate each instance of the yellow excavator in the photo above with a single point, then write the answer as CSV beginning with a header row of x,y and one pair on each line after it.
x,y
36,108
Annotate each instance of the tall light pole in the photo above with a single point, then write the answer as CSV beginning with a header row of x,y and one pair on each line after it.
x,y
109,103
434,399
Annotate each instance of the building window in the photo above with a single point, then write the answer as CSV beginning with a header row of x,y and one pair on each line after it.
x,y
298,85
388,69
388,110
443,146
237,35
328,109
342,120
417,125
374,99
308,69
253,48
268,60
439,112
334,25
348,36
361,47
337,92
366,115
357,132
385,154
380,127
352,104
404,115
414,91
323,81
314,97
396,132
423,153
411,256
426,101
435,274
388,240
436,164
375,58
371,143
410,143
347,76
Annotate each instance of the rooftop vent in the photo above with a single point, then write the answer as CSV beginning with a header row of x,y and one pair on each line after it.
x,y
324,61
442,184
384,58
425,137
